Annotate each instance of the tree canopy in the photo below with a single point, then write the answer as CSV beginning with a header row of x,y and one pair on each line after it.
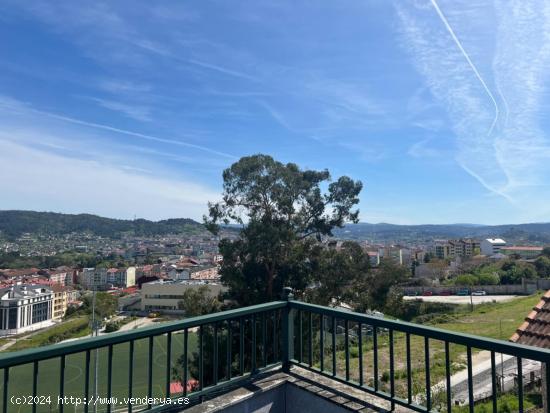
x,y
283,210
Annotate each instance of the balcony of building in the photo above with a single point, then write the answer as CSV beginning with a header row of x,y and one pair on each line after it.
x,y
283,356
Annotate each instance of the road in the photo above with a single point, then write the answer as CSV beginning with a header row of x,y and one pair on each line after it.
x,y
463,299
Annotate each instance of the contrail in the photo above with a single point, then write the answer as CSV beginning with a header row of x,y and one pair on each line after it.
x,y
467,57
153,138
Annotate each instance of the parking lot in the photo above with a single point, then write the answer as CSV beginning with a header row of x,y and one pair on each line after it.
x,y
463,299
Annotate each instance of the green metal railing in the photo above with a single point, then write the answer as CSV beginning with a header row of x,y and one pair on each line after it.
x,y
246,354
329,319
222,349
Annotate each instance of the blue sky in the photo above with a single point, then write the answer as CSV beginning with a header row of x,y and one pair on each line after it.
x,y
134,108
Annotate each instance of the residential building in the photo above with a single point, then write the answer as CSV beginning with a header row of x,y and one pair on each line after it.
x,y
444,249
525,252
121,277
25,308
93,278
492,246
58,277
60,302
164,296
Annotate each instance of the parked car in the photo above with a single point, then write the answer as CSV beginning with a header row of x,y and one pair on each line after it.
x,y
480,292
445,292
427,293
464,291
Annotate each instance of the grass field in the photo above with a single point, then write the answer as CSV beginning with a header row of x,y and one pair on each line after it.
x,y
48,378
495,320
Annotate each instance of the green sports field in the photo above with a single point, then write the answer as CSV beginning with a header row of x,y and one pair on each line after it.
x,y
21,378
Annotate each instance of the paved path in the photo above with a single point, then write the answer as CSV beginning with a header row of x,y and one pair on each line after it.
x,y
463,299
481,373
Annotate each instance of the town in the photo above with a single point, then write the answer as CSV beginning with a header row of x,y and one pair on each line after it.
x,y
37,298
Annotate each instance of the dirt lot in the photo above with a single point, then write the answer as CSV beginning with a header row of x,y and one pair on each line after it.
x,y
460,299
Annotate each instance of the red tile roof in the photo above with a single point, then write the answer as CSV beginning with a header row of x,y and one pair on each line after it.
x,y
535,330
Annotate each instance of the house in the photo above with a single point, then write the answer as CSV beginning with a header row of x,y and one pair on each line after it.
x,y
25,308
535,331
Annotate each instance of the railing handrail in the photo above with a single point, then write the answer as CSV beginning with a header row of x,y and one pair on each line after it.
x,y
16,358
483,343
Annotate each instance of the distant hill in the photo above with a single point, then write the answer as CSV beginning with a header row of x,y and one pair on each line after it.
x,y
13,224
513,233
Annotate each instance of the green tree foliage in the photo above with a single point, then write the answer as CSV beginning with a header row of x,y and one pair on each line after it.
x,y
542,265
338,274
105,305
199,301
283,210
373,290
15,223
512,272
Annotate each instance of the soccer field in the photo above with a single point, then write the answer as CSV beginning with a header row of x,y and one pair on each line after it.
x,y
21,378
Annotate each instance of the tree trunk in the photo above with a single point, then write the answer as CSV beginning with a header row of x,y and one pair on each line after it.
x,y
270,277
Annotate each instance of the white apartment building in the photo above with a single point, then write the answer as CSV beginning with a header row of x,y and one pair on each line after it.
x,y
102,278
25,308
93,278
491,246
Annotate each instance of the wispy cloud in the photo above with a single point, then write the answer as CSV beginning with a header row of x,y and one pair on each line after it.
x,y
11,104
137,112
507,154
115,191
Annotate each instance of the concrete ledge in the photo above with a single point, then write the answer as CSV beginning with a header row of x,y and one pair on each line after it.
x,y
301,391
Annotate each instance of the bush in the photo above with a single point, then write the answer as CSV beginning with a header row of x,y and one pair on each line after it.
x,y
112,326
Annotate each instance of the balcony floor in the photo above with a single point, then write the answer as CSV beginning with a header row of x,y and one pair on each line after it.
x,y
300,391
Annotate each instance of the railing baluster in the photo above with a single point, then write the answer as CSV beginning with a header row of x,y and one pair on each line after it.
x,y
322,342
185,362
360,344
470,379
215,355
130,374
264,339
62,382
201,365
494,382
448,376
109,376
346,343
375,356
254,344
409,370
6,388
392,370
229,349
150,371
427,368
168,362
333,346
34,385
275,358
310,336
87,381
300,336
520,384
241,346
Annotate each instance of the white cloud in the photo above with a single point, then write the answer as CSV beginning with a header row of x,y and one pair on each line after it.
x,y
33,179
486,65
